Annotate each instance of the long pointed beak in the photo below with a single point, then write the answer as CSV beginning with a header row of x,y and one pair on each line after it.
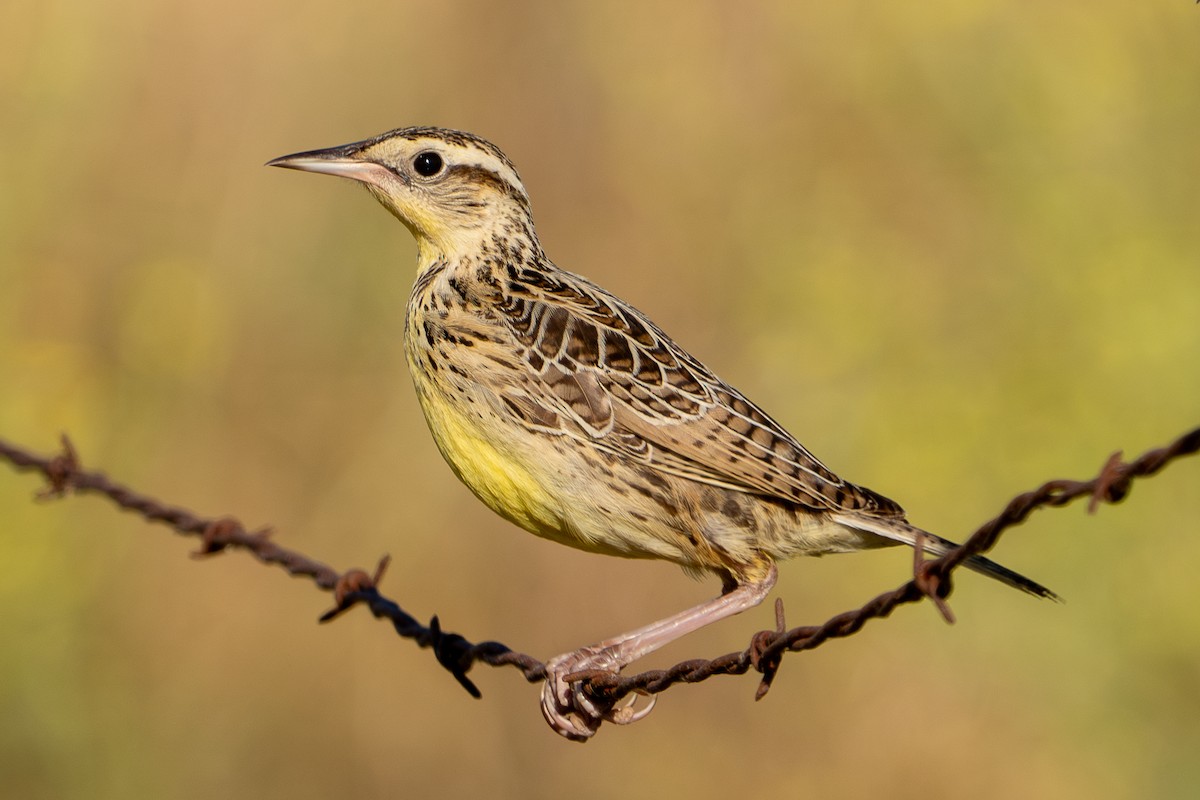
x,y
344,161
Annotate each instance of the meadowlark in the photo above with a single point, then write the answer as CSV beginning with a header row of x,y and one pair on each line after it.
x,y
568,412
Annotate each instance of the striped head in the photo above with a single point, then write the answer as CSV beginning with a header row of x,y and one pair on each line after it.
x,y
451,189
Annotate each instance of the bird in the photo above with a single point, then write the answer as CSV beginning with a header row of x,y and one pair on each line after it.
x,y
568,412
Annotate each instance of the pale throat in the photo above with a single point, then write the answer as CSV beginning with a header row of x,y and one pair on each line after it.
x,y
444,243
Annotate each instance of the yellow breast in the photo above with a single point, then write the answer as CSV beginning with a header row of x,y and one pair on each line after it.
x,y
495,471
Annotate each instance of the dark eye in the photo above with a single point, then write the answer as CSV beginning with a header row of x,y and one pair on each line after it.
x,y
427,164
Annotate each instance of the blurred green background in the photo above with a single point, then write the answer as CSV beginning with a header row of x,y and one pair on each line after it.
x,y
954,246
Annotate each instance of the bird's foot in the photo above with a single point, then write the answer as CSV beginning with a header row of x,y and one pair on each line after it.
x,y
570,710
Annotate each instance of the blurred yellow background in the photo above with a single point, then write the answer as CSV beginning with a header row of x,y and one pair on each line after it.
x,y
954,246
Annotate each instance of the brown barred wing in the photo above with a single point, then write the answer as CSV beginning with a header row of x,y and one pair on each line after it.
x,y
631,390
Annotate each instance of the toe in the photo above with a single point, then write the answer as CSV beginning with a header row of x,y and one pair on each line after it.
x,y
564,719
628,713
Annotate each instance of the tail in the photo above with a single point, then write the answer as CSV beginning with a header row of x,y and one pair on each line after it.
x,y
897,530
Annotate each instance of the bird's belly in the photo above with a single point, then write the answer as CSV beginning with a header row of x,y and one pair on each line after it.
x,y
490,468
542,489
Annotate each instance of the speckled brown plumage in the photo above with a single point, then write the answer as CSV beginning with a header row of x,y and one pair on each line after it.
x,y
569,412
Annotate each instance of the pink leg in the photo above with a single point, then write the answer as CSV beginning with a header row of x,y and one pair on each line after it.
x,y
571,713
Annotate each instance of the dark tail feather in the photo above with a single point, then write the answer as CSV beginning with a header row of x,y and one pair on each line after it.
x,y
900,531
985,566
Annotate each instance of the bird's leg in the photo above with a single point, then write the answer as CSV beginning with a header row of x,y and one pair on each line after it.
x,y
571,713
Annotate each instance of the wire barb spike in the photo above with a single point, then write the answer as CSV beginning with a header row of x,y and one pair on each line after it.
x,y
931,579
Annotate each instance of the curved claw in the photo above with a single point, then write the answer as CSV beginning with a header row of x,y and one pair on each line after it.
x,y
572,712
562,711
626,715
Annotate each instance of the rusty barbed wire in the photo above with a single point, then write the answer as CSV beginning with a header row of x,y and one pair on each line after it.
x,y
65,475
931,579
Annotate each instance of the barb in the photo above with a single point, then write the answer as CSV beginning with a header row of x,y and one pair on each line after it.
x,y
65,475
931,579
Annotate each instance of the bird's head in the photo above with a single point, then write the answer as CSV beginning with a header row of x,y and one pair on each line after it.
x,y
450,188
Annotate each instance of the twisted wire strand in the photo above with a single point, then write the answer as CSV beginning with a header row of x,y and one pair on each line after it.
x,y
931,579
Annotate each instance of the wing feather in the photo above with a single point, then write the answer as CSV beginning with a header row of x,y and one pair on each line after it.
x,y
626,387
